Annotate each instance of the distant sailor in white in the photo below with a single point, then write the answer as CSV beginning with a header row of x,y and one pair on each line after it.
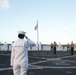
x,y
19,54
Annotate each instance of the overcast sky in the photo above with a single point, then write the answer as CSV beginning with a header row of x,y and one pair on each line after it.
x,y
56,20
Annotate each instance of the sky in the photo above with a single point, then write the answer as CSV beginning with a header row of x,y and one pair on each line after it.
x,y
56,20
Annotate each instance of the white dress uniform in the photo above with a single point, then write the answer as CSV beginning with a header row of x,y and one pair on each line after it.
x,y
19,56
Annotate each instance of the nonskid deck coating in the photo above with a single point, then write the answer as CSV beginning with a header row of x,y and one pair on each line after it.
x,y
46,64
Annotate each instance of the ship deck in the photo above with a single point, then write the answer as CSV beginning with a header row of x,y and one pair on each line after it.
x,y
43,63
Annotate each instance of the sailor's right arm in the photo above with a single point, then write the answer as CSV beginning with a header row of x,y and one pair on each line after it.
x,y
30,42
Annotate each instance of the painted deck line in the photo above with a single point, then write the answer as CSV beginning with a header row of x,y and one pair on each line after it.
x,y
68,61
43,67
3,69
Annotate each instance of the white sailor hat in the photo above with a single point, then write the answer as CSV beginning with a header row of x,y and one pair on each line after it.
x,y
21,32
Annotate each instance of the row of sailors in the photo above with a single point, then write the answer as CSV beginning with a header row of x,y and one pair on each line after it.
x,y
68,45
71,46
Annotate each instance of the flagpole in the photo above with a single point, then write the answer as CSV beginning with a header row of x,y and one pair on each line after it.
x,y
37,36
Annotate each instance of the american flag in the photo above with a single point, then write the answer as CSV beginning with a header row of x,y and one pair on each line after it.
x,y
36,27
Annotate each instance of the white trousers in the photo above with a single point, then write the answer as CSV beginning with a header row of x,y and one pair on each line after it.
x,y
20,69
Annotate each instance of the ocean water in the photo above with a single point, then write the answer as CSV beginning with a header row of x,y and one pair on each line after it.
x,y
6,47
47,47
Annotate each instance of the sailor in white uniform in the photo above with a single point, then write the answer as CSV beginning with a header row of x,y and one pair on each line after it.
x,y
19,54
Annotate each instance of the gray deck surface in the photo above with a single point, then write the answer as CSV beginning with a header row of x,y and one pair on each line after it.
x,y
43,63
